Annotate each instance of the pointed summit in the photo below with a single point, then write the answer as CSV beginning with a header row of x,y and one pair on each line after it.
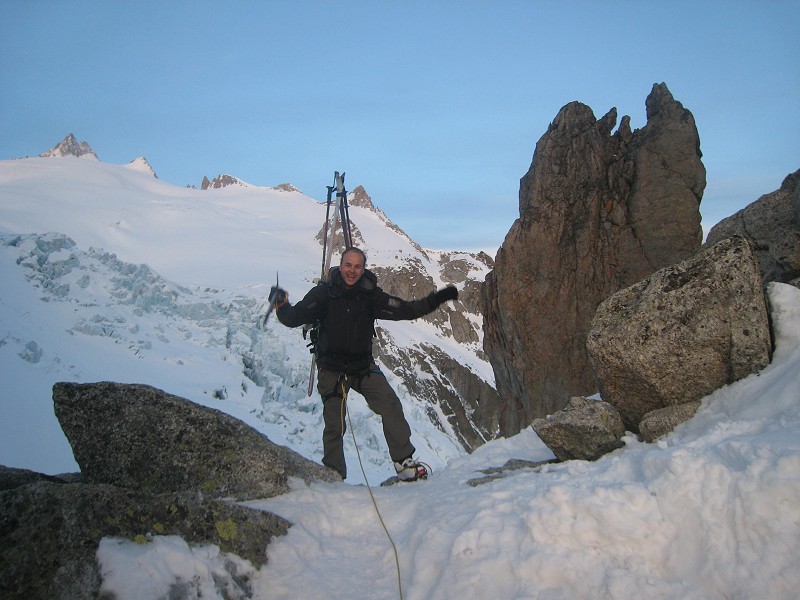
x,y
141,164
69,146
360,197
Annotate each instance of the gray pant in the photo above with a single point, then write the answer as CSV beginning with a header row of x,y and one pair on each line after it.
x,y
381,399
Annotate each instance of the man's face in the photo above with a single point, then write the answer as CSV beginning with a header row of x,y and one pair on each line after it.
x,y
351,268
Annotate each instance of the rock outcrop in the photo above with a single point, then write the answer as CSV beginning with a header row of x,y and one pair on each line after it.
x,y
50,532
772,224
681,333
465,400
598,212
11,478
220,181
583,430
140,437
285,187
461,396
152,464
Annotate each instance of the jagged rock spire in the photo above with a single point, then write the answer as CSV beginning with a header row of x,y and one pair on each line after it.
x,y
360,197
599,211
69,146
220,181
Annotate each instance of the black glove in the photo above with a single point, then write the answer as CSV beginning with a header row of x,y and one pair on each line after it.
x,y
443,295
278,296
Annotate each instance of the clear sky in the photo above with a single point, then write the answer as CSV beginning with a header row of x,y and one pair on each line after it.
x,y
434,106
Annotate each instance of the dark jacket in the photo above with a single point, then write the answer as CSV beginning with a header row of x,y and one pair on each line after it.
x,y
347,318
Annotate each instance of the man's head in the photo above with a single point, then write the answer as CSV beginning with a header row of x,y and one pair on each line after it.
x,y
352,266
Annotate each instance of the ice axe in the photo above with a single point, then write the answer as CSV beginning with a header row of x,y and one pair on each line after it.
x,y
273,293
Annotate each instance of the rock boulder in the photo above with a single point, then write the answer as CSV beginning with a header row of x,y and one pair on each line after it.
x,y
583,430
681,333
140,437
661,421
50,532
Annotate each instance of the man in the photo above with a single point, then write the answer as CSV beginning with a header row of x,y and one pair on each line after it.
x,y
346,307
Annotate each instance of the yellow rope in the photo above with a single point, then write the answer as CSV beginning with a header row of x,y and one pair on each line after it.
x,y
345,409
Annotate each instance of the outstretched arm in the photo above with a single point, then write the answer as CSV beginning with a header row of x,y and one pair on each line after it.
x,y
392,308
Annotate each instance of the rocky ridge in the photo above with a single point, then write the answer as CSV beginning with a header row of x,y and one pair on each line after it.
x,y
220,181
772,225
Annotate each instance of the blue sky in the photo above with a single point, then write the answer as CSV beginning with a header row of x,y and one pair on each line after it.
x,y
435,107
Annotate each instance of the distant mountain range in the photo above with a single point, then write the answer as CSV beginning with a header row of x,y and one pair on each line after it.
x,y
115,275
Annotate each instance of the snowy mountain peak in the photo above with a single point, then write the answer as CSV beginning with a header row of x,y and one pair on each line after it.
x,y
140,164
360,197
285,187
69,146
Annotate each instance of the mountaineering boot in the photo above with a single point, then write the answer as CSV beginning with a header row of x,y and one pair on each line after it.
x,y
411,470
